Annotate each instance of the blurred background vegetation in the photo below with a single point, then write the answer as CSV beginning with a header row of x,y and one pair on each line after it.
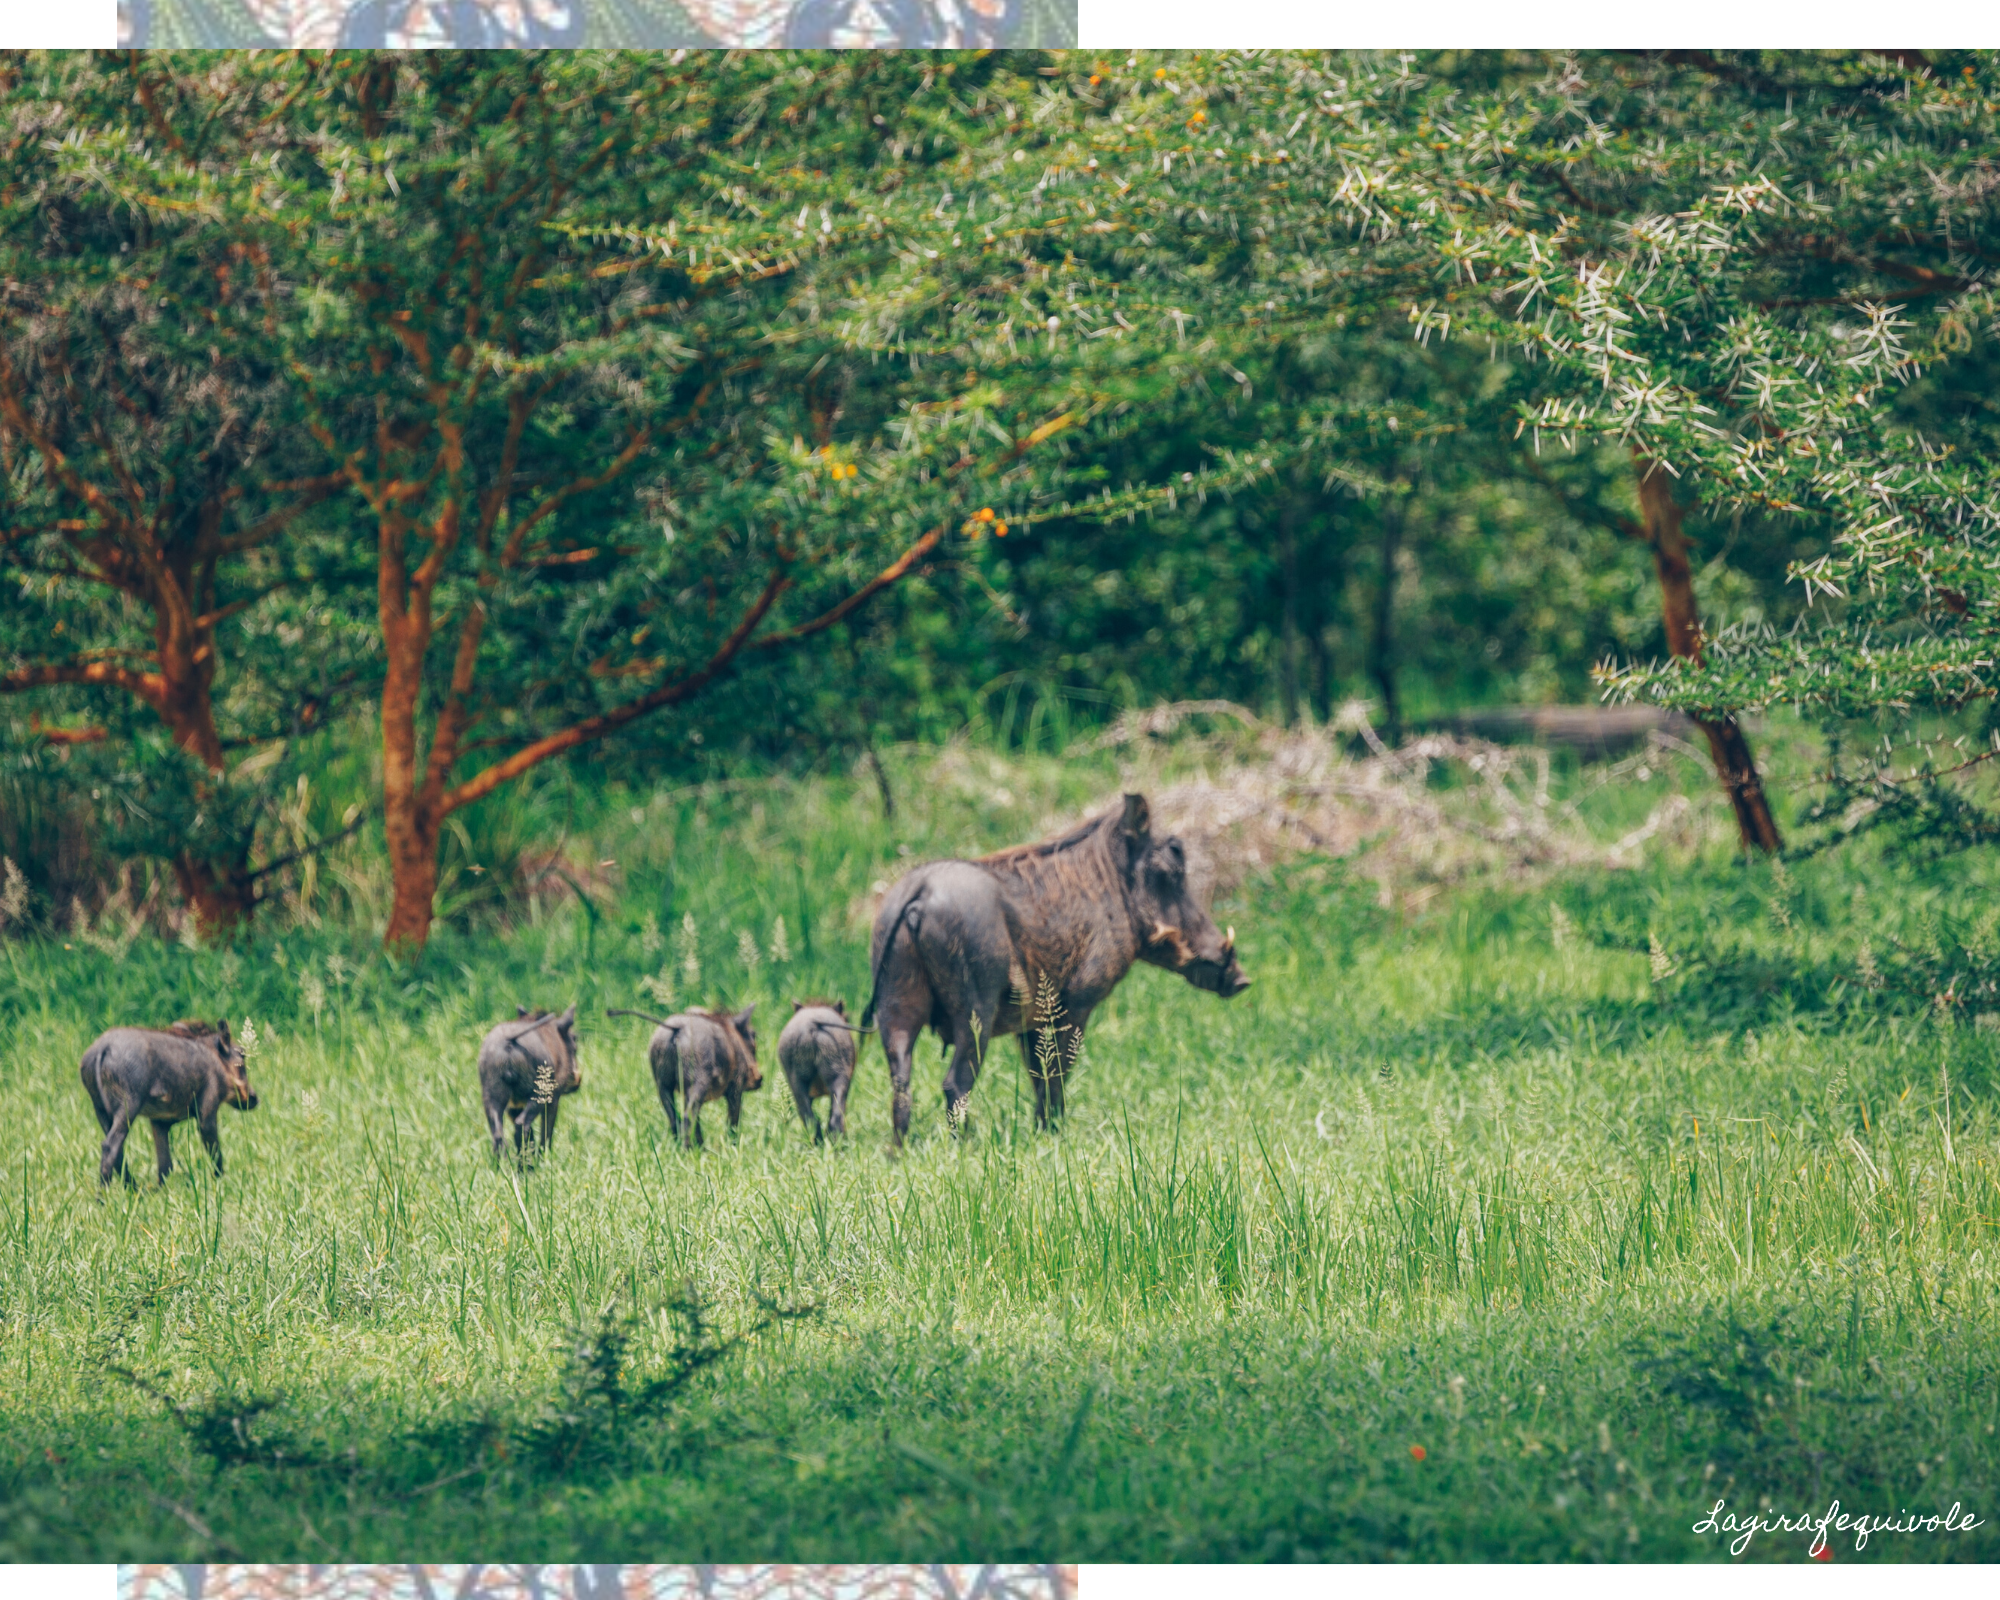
x,y
1415,555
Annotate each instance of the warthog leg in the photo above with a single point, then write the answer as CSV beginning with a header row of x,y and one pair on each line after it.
x,y
836,1116
899,1038
496,1125
694,1095
112,1165
163,1150
211,1139
1049,1079
526,1137
803,1100
970,1039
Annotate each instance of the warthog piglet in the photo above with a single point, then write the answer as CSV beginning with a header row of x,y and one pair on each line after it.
x,y
525,1068
817,1051
163,1075
702,1056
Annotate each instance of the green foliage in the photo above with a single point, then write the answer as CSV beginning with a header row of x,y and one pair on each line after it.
x,y
1292,377
1440,1178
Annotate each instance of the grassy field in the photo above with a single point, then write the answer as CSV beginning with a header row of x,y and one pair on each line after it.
x,y
1526,1223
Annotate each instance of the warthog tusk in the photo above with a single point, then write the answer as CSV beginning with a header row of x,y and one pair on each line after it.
x,y
1229,941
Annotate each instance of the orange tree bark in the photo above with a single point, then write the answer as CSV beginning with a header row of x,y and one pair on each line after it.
x,y
1734,764
417,798
498,383
132,535
144,501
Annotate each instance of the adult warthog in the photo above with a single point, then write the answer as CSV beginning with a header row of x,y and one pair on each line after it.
x,y
162,1076
1029,942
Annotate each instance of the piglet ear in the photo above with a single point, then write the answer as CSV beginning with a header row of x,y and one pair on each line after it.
x,y
567,1021
798,1005
742,1018
840,1006
1138,818
222,1032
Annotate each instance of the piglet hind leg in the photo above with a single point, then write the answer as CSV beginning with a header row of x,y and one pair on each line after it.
x,y
111,1155
668,1092
496,1126
802,1098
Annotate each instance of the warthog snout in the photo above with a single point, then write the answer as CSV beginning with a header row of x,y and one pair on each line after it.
x,y
1214,969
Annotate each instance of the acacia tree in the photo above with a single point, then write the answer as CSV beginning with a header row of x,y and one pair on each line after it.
x,y
153,505
540,300
1702,259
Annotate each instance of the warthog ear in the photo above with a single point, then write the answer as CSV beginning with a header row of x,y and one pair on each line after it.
x,y
840,1006
1138,816
222,1032
567,1021
519,1009
742,1018
798,1005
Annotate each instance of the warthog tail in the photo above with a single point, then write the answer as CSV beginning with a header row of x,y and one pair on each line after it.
x,y
881,961
645,1016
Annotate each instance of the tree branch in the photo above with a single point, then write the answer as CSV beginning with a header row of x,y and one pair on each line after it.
x,y
316,490
312,849
892,573
150,687
596,727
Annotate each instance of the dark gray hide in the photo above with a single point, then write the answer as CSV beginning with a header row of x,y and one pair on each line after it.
x,y
1029,942
817,1052
163,1076
525,1068
704,1056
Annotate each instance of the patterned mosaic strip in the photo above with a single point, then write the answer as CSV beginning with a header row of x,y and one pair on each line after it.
x,y
569,24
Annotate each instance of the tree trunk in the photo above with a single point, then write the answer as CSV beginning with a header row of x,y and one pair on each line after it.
x,y
1290,650
1382,646
1730,750
882,785
221,894
219,891
412,834
409,822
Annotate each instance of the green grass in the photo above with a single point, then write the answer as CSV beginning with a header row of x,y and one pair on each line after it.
x,y
1607,1248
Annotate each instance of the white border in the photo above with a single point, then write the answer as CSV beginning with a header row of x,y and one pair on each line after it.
x,y
56,25
1545,24
27,1582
